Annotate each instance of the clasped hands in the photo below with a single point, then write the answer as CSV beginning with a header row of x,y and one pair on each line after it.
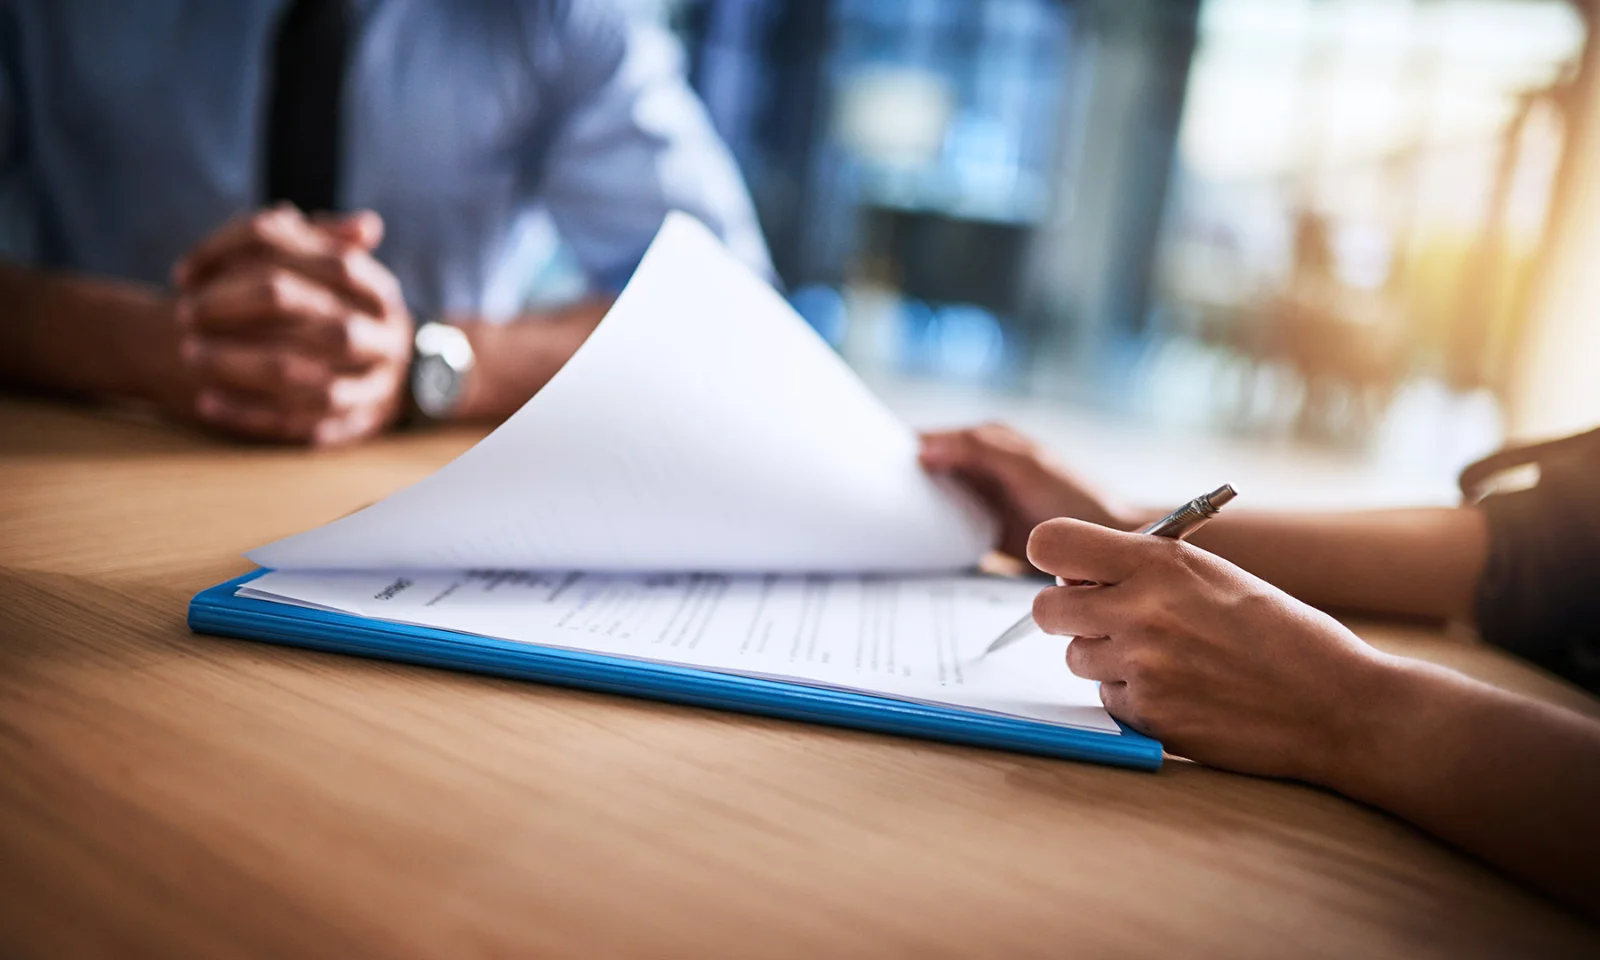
x,y
291,330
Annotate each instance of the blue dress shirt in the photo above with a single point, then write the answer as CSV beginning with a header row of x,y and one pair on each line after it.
x,y
130,129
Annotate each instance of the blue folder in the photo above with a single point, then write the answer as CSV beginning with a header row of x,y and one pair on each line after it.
x,y
219,611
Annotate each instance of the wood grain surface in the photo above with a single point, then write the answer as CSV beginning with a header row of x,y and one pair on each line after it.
x,y
168,794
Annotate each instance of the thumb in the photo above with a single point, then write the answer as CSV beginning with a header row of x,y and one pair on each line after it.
x,y
1078,550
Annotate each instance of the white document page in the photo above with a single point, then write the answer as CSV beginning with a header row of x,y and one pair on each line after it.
x,y
915,638
703,426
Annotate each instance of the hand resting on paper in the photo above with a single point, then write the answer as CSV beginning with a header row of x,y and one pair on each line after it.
x,y
292,329
1228,670
1020,483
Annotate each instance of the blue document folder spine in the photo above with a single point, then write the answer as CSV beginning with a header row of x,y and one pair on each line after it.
x,y
218,611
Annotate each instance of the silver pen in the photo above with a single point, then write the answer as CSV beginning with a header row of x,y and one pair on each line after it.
x,y
1176,525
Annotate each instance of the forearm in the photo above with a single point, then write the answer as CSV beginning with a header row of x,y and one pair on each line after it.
x,y
1421,562
1507,778
87,337
514,360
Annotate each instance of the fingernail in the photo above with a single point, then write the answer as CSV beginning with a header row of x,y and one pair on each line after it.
x,y
190,349
183,313
208,405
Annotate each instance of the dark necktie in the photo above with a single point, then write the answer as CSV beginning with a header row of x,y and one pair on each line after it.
x,y
302,155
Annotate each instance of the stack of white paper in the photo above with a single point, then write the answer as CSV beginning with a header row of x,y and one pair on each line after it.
x,y
916,637
706,440
703,426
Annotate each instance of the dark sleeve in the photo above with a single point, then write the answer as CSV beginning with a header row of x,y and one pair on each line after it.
x,y
15,233
10,111
1540,594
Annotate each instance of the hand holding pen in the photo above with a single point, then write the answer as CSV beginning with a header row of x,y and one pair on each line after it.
x,y
1177,525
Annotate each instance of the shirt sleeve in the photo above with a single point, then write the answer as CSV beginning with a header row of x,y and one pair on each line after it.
x,y
1540,593
629,142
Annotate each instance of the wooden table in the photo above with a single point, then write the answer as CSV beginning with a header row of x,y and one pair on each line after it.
x,y
168,794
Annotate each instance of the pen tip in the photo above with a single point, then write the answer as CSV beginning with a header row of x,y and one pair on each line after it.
x,y
1221,495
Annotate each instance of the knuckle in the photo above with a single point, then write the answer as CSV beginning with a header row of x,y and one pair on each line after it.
x,y
260,227
1187,558
281,369
1144,664
347,268
320,376
1153,618
1254,606
322,397
398,340
960,447
1002,438
1134,664
1163,549
1160,555
393,297
307,374
1148,618
278,288
341,336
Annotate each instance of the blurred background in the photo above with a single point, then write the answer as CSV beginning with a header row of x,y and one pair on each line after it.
x,y
1348,238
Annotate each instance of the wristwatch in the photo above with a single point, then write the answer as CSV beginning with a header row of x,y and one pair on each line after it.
x,y
441,361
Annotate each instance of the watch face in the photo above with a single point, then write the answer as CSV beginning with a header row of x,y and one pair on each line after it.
x,y
435,385
439,369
